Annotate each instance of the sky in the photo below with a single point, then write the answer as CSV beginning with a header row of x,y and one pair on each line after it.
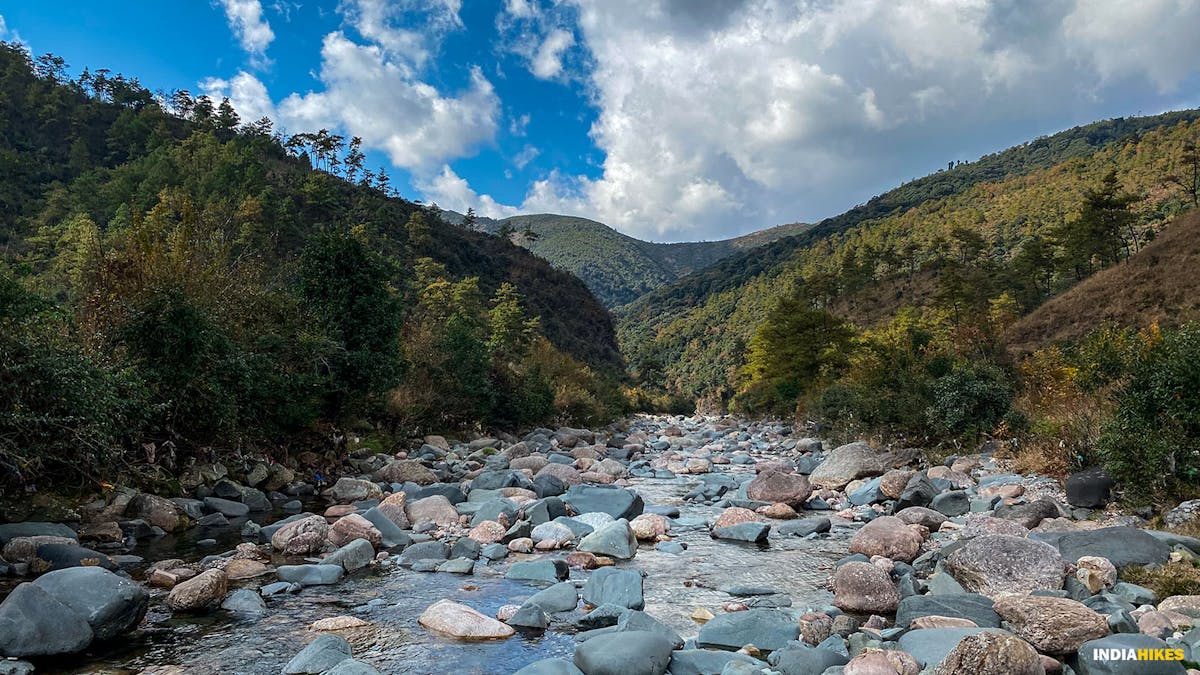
x,y
670,120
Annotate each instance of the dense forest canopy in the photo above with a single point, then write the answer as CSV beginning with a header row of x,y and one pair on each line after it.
x,y
176,277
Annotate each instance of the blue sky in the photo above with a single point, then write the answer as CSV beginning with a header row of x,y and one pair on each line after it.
x,y
667,119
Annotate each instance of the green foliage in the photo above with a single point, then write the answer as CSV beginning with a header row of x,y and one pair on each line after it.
x,y
346,285
969,400
1152,442
792,351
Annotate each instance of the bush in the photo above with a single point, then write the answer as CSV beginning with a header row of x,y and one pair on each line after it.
x,y
971,399
1152,442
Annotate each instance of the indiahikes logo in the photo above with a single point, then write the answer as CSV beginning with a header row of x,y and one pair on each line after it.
x,y
1137,654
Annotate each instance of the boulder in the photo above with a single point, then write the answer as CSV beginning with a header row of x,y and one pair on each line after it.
x,y
301,537
996,564
392,507
971,606
616,502
1095,657
561,597
245,603
200,591
52,557
435,509
352,527
111,604
35,623
863,588
10,531
991,654
931,645
310,575
539,571
1031,514
766,629
856,460
320,656
779,487
609,585
226,507
158,511
1052,625
347,490
648,527
406,471
550,667
460,621
1122,546
1089,489
919,515
889,537
615,540
625,653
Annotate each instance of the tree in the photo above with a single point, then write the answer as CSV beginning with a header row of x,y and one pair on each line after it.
x,y
528,234
1187,174
469,219
227,120
354,159
506,231
793,349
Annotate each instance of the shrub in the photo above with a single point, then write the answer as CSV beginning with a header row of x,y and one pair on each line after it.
x,y
1153,439
971,399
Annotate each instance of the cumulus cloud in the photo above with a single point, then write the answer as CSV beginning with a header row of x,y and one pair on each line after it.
x,y
246,20
525,156
720,116
547,62
450,191
408,29
247,94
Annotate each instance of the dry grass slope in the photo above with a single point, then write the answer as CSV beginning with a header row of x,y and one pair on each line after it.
x,y
1160,283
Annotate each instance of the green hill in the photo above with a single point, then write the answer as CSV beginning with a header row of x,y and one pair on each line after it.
x,y
963,226
616,267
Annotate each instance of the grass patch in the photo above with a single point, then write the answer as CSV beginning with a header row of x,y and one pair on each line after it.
x,y
1175,578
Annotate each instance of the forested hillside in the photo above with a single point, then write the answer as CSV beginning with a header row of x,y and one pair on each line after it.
x,y
616,267
176,278
986,228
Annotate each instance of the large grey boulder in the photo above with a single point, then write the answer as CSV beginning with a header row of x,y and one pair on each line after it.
x,y
930,645
972,606
1123,546
625,653
615,540
561,597
767,629
321,655
797,658
996,564
616,502
35,623
609,585
111,604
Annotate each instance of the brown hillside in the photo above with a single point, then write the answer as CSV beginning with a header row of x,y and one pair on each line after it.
x,y
1160,283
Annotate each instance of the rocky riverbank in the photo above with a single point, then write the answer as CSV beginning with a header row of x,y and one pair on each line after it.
x,y
681,545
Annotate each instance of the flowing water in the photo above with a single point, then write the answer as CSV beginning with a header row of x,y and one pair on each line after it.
x,y
391,600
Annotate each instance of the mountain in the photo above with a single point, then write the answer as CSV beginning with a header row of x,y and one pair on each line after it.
x,y
896,250
616,267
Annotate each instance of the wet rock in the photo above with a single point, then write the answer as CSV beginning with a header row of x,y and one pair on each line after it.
x,y
616,502
226,507
704,661
625,653
320,656
111,604
805,527
747,532
885,662
615,540
35,623
389,533
561,597
767,629
996,564
425,550
553,531
200,591
246,603
460,621
1122,546
51,557
1090,488
158,511
1052,625
10,531
931,645
310,575
541,571
610,585
302,536
863,588
735,515
550,667
889,537
355,555
779,487
991,654
796,658
24,549
649,526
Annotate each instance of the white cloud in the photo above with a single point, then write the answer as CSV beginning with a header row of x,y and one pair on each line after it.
x,y
722,116
251,29
247,94
525,156
450,191
547,62
407,29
